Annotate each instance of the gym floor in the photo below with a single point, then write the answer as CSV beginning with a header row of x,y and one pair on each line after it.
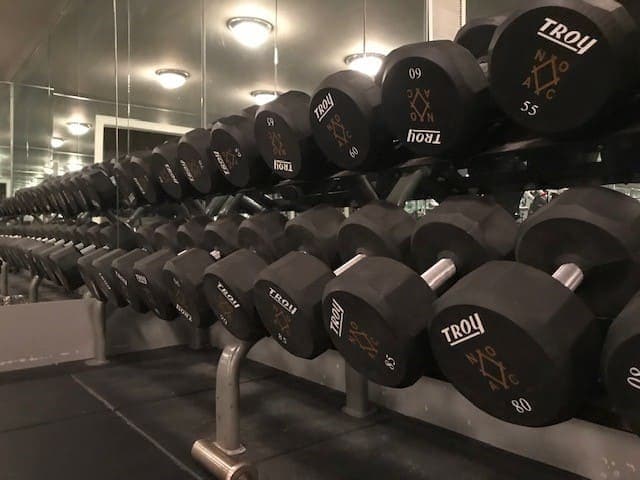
x,y
138,416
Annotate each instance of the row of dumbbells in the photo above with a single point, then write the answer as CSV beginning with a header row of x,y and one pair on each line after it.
x,y
553,67
398,298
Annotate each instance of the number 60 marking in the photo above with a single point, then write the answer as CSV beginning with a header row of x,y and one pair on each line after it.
x,y
415,73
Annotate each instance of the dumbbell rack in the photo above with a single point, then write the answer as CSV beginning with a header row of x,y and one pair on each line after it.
x,y
504,172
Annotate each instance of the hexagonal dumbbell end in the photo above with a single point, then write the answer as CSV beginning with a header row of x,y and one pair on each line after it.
x,y
183,277
470,230
517,343
227,287
221,236
88,273
106,281
621,363
288,297
596,228
191,233
370,291
315,232
126,280
148,273
379,228
263,233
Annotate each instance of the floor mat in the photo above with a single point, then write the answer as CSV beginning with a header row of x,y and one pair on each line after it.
x,y
130,381
33,402
97,447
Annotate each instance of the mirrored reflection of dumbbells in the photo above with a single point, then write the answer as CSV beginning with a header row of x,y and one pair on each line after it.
x,y
378,311
521,340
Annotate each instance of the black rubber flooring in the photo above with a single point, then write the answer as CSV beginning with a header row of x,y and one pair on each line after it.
x,y
138,417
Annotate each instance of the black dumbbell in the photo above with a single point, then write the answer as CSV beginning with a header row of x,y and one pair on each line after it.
x,y
285,140
234,151
227,283
95,267
127,191
169,172
621,364
198,164
184,274
435,95
378,311
345,117
514,338
379,228
557,66
287,292
100,188
143,174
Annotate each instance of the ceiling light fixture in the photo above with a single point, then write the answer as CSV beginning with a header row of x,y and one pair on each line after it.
x,y
57,142
172,78
78,128
368,63
250,31
260,97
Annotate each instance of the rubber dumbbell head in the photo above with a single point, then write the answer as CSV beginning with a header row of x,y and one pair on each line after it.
x,y
284,138
514,338
286,293
557,66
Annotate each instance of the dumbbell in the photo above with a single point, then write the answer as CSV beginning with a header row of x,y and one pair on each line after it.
x,y
98,186
514,338
95,267
65,261
127,190
148,273
558,66
378,311
227,283
143,174
345,117
286,292
435,95
184,274
285,140
621,364
196,162
234,151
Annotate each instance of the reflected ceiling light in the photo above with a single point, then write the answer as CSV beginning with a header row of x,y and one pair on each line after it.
x,y
250,31
78,128
368,63
264,96
57,142
171,78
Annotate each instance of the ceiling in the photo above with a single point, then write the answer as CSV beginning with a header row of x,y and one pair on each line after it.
x,y
81,55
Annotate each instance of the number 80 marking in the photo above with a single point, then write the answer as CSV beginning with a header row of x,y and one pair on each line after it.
x,y
634,379
521,405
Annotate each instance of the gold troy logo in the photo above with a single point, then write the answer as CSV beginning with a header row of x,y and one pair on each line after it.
x,y
277,146
546,73
420,105
341,135
281,320
366,343
492,369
